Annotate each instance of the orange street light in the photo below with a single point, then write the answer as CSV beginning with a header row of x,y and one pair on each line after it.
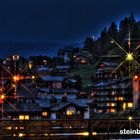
x,y
16,78
2,97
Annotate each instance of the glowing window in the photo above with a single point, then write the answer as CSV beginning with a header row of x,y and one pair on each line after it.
x,y
9,128
100,111
15,57
71,111
21,117
112,110
124,106
130,104
121,98
30,66
112,104
113,93
26,117
44,113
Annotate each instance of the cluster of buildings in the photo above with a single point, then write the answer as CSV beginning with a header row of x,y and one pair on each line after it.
x,y
113,93
40,88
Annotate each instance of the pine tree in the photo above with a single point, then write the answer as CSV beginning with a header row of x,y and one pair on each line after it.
x,y
113,31
89,44
103,37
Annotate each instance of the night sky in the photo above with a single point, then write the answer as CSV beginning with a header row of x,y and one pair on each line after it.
x,y
56,22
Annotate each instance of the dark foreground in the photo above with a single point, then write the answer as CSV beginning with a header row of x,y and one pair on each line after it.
x,y
67,129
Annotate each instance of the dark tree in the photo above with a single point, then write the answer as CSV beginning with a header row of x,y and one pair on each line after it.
x,y
79,82
89,44
103,37
113,31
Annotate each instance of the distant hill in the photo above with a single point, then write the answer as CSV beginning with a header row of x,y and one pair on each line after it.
x,y
27,49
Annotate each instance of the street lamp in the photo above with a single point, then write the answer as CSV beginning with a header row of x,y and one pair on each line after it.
x,y
129,57
16,78
129,118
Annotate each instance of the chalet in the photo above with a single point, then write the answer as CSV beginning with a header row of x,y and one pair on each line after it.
x,y
59,93
15,64
43,71
104,71
70,109
26,94
40,60
45,105
21,111
62,69
53,81
46,109
113,96
81,58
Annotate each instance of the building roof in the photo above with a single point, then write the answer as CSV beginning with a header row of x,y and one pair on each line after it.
x,y
21,107
62,67
62,105
47,90
44,103
52,78
28,107
72,80
27,92
109,64
65,91
104,84
115,82
44,69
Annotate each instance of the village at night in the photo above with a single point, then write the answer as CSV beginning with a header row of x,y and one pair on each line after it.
x,y
88,92
69,70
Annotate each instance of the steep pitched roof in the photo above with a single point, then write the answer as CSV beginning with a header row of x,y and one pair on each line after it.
x,y
62,105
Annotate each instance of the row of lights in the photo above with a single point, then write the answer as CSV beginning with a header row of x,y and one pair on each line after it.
x,y
83,133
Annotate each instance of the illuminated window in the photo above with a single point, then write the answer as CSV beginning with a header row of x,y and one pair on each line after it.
x,y
9,128
124,106
71,111
45,62
20,135
120,98
130,104
100,111
113,93
15,128
15,57
112,104
21,128
24,117
44,113
112,110
21,117
83,61
30,66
